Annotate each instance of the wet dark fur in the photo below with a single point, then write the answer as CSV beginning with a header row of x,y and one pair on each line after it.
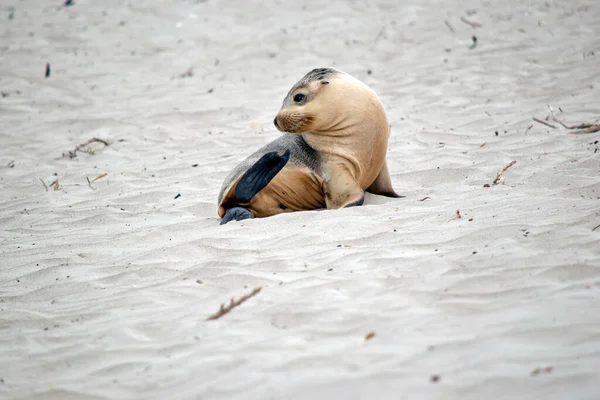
x,y
316,74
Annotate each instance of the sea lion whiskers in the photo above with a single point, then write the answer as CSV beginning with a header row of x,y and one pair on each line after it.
x,y
294,121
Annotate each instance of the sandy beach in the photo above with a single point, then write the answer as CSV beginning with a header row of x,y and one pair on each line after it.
x,y
111,253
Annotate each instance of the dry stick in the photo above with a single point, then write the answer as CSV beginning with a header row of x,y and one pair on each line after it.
x,y
44,183
457,216
499,178
528,128
449,26
90,183
472,24
584,128
73,153
55,185
100,176
232,304
544,122
591,129
550,115
595,228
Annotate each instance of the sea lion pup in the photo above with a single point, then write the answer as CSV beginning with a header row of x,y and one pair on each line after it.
x,y
333,149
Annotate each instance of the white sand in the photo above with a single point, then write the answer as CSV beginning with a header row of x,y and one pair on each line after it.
x,y
99,296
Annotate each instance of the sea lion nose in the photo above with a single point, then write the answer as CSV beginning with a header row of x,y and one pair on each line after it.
x,y
275,123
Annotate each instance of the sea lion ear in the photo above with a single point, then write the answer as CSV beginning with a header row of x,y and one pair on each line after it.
x,y
259,175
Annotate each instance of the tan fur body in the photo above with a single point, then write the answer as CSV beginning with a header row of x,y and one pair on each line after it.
x,y
344,123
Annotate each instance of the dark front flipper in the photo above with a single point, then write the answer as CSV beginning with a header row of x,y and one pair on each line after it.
x,y
259,175
236,214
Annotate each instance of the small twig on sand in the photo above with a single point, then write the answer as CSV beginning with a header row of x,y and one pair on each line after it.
x,y
472,24
528,128
370,335
550,116
544,122
80,147
537,371
55,185
232,304
449,26
44,183
100,176
583,128
499,178
457,216
595,228
11,164
474,44
90,183
424,198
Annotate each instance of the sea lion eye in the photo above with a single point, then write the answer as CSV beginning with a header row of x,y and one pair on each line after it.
x,y
298,98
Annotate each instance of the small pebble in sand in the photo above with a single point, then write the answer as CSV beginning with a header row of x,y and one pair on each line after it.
x,y
435,378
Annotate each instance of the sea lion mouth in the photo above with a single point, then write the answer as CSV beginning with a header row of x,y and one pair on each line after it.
x,y
293,122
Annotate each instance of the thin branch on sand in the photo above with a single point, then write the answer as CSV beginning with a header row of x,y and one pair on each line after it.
x,y
81,148
90,183
100,176
544,122
232,304
449,26
581,128
55,185
44,183
457,216
472,24
499,178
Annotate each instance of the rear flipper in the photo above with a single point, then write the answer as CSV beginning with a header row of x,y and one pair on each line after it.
x,y
383,184
259,175
236,214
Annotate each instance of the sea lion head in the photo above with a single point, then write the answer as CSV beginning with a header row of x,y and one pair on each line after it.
x,y
325,99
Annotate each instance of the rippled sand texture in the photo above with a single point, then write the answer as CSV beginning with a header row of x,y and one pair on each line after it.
x,y
105,287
